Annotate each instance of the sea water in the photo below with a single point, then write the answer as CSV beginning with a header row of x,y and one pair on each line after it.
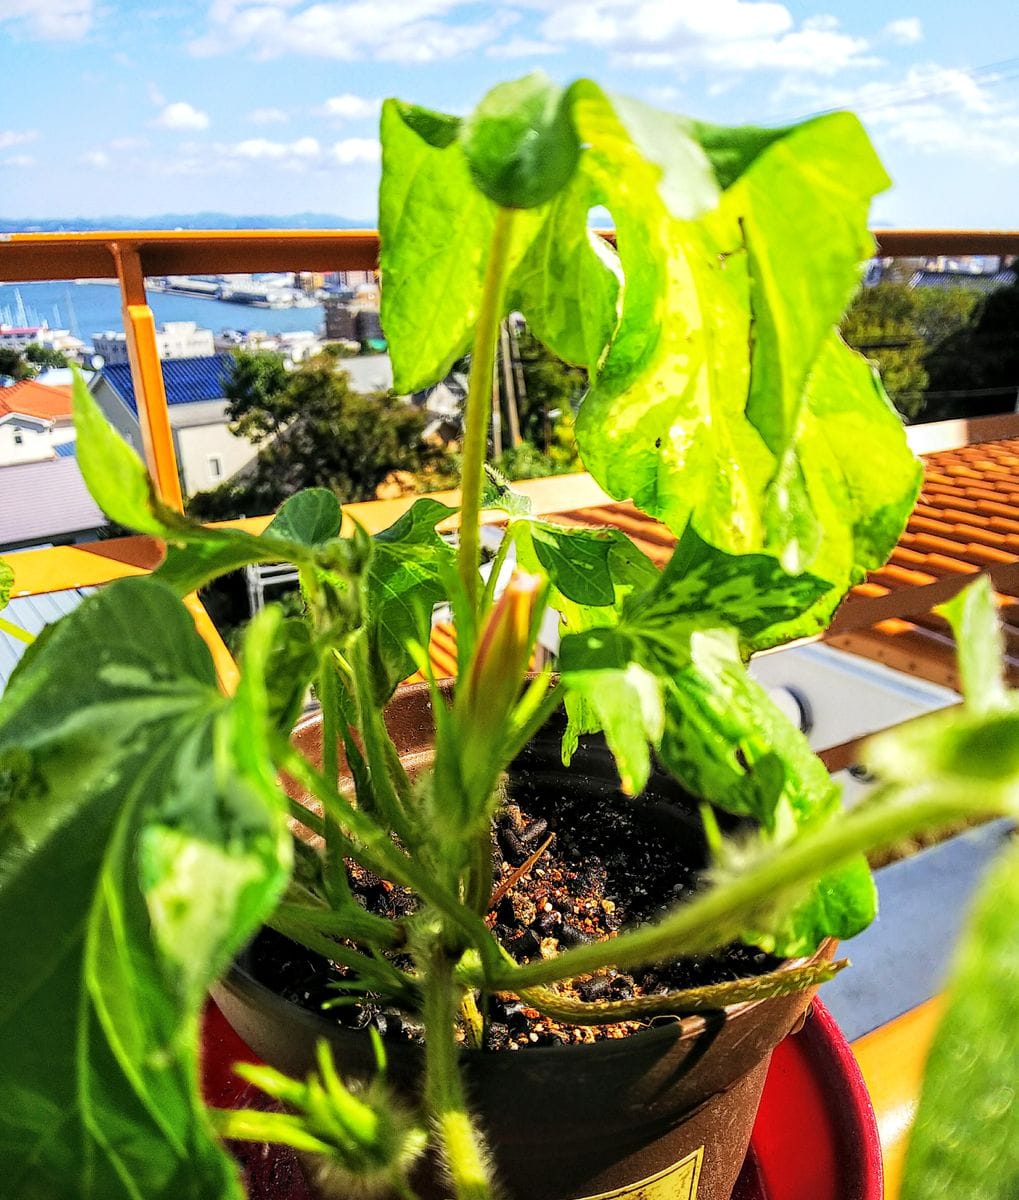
x,y
90,308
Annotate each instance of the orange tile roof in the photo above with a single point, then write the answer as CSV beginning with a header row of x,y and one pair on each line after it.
x,y
965,521
33,399
957,529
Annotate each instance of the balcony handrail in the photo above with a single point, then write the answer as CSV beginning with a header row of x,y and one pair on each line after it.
x,y
38,257
131,256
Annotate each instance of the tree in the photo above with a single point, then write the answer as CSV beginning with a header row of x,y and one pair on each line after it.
x,y
13,365
550,386
975,371
45,356
898,328
315,432
882,323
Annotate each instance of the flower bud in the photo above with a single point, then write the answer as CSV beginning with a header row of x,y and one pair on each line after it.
x,y
485,699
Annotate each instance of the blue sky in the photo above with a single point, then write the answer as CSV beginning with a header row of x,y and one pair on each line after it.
x,y
270,106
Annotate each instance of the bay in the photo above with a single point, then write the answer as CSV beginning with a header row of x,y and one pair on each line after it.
x,y
90,308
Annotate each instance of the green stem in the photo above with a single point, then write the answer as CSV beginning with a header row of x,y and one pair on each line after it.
x,y
16,631
496,567
710,998
381,760
378,852
379,974
444,1098
335,875
479,402
717,916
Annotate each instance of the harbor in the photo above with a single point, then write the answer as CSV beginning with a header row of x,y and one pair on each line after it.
x,y
89,307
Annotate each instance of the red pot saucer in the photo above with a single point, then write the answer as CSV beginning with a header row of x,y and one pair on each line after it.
x,y
815,1137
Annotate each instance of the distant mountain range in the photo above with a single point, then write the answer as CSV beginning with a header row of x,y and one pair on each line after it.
x,y
202,220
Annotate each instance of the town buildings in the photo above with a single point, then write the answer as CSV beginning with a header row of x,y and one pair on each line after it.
x,y
174,339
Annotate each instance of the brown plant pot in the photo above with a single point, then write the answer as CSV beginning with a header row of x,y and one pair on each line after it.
x,y
665,1114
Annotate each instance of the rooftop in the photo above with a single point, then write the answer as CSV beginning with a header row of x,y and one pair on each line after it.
x,y
45,501
187,380
33,399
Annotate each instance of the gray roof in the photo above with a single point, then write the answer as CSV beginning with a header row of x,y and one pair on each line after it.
x,y
43,501
32,613
368,372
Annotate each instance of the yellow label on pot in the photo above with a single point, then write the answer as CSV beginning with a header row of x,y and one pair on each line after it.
x,y
678,1182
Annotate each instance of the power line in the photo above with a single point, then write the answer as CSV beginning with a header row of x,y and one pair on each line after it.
x,y
988,74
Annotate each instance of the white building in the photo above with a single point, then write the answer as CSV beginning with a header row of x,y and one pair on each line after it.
x,y
174,339
35,421
207,452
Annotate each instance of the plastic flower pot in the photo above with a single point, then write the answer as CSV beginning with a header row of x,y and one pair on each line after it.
x,y
815,1137
664,1113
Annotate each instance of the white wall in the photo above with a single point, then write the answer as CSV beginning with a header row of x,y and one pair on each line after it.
x,y
196,444
35,445
116,411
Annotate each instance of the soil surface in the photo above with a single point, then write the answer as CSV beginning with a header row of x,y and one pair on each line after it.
x,y
605,862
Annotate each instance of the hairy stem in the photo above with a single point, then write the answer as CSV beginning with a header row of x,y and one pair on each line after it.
x,y
335,875
459,1142
382,762
702,999
479,402
376,849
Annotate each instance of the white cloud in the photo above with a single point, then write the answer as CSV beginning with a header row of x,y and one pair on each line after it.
x,y
349,107
522,48
906,31
268,116
733,35
357,150
98,159
49,20
930,109
19,161
263,148
17,137
181,115
393,30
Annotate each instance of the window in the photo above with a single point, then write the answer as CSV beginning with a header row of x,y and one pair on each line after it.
x,y
215,466
19,437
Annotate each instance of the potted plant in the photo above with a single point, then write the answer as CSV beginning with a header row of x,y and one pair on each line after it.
x,y
143,828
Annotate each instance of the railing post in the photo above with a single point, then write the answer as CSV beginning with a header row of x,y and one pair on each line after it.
x,y
147,374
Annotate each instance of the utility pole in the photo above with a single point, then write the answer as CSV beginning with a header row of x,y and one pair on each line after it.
x,y
507,375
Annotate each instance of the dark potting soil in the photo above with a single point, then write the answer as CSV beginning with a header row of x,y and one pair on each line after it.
x,y
607,862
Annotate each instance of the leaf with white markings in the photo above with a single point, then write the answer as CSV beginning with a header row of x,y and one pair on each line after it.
x,y
168,858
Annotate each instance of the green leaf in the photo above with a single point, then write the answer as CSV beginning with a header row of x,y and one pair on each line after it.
x,y
610,692
195,554
197,562
965,1140
980,645
309,517
576,560
727,742
521,143
704,587
496,492
6,583
115,475
155,858
568,280
436,128
404,583
710,406
434,227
